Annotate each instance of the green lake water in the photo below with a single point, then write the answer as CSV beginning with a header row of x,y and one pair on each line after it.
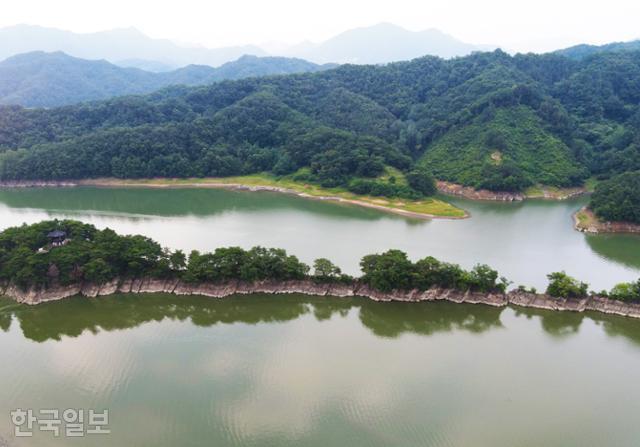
x,y
524,241
301,371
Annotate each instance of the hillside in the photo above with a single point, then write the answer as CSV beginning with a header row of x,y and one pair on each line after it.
x,y
582,51
488,120
41,79
507,151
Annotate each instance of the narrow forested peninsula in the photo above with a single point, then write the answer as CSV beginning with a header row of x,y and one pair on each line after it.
x,y
55,259
488,120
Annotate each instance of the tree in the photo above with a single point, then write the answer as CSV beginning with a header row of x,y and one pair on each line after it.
x,y
98,271
422,181
626,291
178,260
562,285
325,270
388,271
618,199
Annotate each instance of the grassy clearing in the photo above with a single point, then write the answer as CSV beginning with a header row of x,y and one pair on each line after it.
x,y
427,206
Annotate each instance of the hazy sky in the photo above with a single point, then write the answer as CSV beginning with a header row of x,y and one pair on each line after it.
x,y
532,25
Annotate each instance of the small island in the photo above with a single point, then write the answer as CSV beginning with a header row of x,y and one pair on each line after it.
x,y
52,260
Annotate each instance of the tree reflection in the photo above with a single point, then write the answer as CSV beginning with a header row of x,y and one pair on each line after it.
x,y
394,318
621,248
136,203
72,317
558,324
628,328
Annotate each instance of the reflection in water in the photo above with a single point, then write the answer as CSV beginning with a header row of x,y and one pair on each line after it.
x,y
73,316
394,319
313,371
621,248
557,324
136,203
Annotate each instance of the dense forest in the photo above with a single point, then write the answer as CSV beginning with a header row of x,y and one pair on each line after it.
x,y
28,258
488,120
618,199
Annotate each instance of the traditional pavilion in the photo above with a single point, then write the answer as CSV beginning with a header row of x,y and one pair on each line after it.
x,y
57,237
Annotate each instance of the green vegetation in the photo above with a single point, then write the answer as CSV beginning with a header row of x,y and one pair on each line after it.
x,y
393,270
504,150
255,264
486,120
324,270
618,199
562,285
29,259
626,291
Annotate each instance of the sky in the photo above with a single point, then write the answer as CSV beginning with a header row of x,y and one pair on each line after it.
x,y
539,25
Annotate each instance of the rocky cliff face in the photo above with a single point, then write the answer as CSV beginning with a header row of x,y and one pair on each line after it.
x,y
309,287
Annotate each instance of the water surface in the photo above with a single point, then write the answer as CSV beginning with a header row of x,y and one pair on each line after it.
x,y
299,371
524,241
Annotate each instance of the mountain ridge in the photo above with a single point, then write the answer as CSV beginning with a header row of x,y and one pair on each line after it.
x,y
380,43
488,120
40,79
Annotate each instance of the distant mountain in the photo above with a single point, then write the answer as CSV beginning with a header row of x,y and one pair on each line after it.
x,y
581,51
146,65
40,79
383,43
115,45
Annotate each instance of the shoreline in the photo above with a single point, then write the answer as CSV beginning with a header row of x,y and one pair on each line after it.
x,y
585,221
467,192
210,183
312,288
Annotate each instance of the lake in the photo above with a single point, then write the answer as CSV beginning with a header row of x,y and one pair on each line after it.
x,y
523,241
299,371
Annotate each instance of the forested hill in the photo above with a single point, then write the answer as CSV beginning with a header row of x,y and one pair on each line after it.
x,y
40,79
486,120
582,51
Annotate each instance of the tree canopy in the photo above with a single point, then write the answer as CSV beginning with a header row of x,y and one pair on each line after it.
x,y
488,120
618,199
28,259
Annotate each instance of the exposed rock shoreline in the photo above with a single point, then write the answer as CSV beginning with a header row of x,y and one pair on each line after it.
x,y
586,221
483,194
310,287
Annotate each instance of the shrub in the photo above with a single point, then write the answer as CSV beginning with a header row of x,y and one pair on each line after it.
x,y
626,292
